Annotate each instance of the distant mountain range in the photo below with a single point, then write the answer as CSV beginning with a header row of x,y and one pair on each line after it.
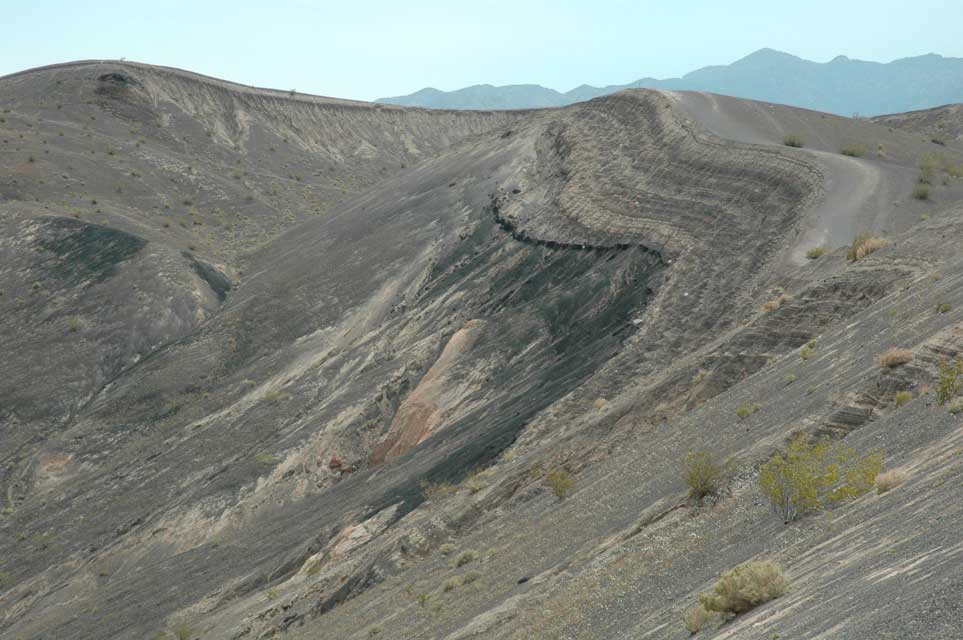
x,y
842,85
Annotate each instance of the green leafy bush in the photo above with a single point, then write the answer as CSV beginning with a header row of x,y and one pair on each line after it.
x,y
748,585
815,474
950,383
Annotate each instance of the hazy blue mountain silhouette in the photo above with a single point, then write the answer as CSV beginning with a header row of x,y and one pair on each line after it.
x,y
842,85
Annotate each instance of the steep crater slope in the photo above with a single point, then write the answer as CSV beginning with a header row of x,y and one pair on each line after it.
x,y
410,335
561,282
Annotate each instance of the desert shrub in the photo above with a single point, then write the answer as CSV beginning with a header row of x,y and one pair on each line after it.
x,y
956,406
437,490
446,549
746,410
889,480
790,378
702,474
275,396
893,357
853,150
374,630
902,397
470,577
863,245
943,307
266,460
560,482
451,584
792,140
806,352
696,618
816,252
921,192
184,632
466,557
950,383
748,585
813,475
5,580
774,304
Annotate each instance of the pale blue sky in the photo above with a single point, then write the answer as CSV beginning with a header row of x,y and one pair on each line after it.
x,y
369,49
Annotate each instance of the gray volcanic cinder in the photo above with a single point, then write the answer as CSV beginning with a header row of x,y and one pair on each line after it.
x,y
278,365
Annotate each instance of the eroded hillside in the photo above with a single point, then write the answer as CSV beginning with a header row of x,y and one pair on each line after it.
x,y
367,335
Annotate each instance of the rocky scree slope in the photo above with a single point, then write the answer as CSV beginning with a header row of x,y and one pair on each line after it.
x,y
549,291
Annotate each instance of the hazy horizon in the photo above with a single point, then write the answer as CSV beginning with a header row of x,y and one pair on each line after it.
x,y
376,49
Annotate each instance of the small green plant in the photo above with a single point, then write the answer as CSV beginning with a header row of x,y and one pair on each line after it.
x,y
902,397
943,307
183,632
266,460
437,490
466,557
5,580
471,576
702,474
423,599
560,482
853,150
446,549
950,383
793,140
275,396
955,406
816,252
806,352
789,379
814,474
748,585
746,410
374,630
921,192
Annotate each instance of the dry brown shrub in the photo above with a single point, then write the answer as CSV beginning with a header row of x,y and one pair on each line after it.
x,y
696,618
893,357
863,245
889,480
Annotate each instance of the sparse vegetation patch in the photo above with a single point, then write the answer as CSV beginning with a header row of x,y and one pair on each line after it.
x,y
702,474
894,357
745,587
863,245
813,475
793,140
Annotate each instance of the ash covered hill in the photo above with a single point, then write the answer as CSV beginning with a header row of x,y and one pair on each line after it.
x,y
337,410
